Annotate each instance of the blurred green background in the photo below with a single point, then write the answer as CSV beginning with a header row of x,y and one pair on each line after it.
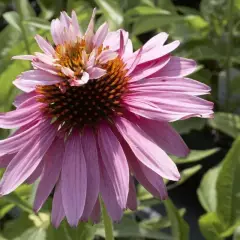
x,y
205,204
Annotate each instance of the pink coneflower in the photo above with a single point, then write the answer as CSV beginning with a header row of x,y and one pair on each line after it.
x,y
94,114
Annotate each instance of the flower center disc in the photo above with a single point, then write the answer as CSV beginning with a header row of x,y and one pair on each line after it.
x,y
99,99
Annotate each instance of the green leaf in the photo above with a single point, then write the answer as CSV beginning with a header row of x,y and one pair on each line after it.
x,y
195,156
38,23
228,191
180,229
185,175
148,23
129,228
13,19
26,9
236,235
33,234
211,226
227,123
112,12
146,10
207,189
186,126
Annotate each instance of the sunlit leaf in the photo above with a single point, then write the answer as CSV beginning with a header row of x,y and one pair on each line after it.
x,y
227,123
180,229
207,190
228,191
13,19
195,155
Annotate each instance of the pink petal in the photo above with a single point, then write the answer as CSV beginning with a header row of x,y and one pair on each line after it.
x,y
24,57
96,213
65,20
6,159
146,151
139,170
47,59
44,45
28,81
20,117
164,136
95,72
74,179
165,84
121,44
27,159
56,30
17,141
100,35
52,168
23,97
79,82
112,39
178,106
75,24
134,63
132,198
128,51
67,71
147,69
93,175
109,196
57,207
36,174
115,163
177,67
106,56
90,31
45,67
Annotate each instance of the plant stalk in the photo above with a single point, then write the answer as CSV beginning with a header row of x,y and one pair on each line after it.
x,y
108,226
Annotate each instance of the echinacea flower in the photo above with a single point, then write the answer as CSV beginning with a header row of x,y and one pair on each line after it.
x,y
93,114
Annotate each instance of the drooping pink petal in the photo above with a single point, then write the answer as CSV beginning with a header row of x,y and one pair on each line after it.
x,y
57,207
132,198
93,175
109,196
44,45
100,35
115,163
74,179
96,72
20,117
177,67
157,189
106,56
146,151
52,168
27,159
36,174
17,141
24,57
165,84
5,160
146,69
28,81
23,97
96,213
164,136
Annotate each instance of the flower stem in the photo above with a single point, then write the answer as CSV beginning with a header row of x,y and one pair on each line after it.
x,y
69,6
229,52
23,30
108,226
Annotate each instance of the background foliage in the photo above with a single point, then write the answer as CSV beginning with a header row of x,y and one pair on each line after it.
x,y
209,33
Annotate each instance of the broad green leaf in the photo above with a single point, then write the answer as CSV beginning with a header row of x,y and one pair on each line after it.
x,y
112,12
33,234
185,175
207,189
197,22
38,23
26,9
13,19
146,10
167,4
128,228
227,123
180,229
228,191
195,155
148,23
211,226
186,126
